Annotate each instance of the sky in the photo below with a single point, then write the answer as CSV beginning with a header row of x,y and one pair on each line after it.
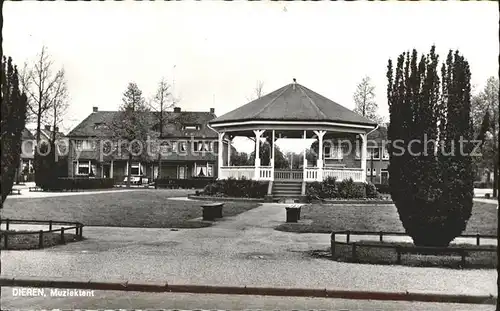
x,y
214,52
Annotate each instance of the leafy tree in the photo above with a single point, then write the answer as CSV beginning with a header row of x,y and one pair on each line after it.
x,y
280,161
131,127
13,118
239,158
364,99
432,186
485,119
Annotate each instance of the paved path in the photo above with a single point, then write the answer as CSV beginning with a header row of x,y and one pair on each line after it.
x,y
241,250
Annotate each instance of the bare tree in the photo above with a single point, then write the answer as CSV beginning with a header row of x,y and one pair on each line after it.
x,y
364,99
44,88
258,91
162,101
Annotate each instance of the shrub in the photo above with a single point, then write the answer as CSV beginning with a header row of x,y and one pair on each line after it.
x,y
239,188
383,188
348,189
371,190
433,191
60,184
196,182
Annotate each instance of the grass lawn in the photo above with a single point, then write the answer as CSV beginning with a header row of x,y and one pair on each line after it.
x,y
138,208
317,218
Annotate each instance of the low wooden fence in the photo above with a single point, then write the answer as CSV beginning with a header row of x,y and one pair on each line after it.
x,y
66,226
381,235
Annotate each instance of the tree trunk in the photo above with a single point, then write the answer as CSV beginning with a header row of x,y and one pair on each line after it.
x,y
495,161
129,170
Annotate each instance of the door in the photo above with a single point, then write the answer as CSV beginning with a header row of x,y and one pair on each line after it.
x,y
106,171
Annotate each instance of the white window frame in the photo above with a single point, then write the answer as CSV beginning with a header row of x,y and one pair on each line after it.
x,y
137,166
83,164
385,153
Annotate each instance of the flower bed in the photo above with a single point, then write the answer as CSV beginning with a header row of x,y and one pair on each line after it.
x,y
236,188
346,189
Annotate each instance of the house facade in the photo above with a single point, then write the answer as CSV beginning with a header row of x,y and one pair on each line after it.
x,y
187,149
26,172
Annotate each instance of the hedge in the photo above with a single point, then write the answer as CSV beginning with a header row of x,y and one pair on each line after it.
x,y
346,189
196,182
61,184
382,188
239,188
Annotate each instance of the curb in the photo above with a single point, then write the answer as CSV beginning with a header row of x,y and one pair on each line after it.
x,y
254,291
225,199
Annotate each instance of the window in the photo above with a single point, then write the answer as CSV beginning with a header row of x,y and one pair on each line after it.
x,y
100,126
333,152
181,146
85,144
385,153
192,127
371,172
82,168
203,170
373,151
202,146
136,169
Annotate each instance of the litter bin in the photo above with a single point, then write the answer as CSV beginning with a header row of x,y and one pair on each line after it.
x,y
292,214
209,213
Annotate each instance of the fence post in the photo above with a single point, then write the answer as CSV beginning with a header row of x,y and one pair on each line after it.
x,y
40,239
62,235
332,244
80,232
348,236
50,225
381,234
354,255
7,224
477,239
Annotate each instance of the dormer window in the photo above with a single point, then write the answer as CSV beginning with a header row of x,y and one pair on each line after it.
x,y
100,126
191,127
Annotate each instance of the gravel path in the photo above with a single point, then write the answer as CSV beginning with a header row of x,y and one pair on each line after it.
x,y
241,250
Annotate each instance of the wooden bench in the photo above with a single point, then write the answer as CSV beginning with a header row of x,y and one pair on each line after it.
x,y
15,191
432,251
211,211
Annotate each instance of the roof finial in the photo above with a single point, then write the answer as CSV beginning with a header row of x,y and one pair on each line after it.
x,y
294,83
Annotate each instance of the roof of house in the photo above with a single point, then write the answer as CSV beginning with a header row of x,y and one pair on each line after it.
x,y
48,134
26,135
173,127
293,102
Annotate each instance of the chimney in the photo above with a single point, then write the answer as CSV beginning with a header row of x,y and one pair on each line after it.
x,y
294,83
47,127
177,109
212,110
95,109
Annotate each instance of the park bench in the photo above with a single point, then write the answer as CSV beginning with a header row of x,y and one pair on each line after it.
x,y
31,189
15,191
211,211
435,251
